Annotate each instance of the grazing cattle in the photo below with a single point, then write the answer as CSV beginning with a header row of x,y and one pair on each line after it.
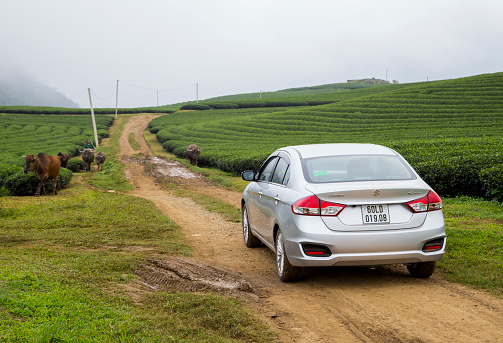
x,y
45,167
192,153
63,158
88,157
100,159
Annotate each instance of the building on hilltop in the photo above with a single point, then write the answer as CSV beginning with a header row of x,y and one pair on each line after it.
x,y
372,80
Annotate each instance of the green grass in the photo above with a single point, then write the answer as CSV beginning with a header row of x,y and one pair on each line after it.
x,y
36,309
474,251
207,318
133,142
112,177
210,203
66,263
88,219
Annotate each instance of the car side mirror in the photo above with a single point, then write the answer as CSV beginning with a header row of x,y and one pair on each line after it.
x,y
248,175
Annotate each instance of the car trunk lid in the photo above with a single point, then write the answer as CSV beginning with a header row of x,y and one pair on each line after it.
x,y
376,207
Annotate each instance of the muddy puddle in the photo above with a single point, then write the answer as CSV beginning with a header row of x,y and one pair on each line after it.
x,y
159,167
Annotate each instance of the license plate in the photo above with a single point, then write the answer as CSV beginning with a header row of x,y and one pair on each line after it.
x,y
375,214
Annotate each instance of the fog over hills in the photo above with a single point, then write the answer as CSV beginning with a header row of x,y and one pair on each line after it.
x,y
20,89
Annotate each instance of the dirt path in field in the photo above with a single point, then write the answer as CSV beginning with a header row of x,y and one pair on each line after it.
x,y
332,305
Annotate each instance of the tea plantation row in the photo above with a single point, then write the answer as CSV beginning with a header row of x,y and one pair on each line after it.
x,y
451,131
82,111
50,134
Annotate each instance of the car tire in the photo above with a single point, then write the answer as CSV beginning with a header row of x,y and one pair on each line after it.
x,y
250,239
286,272
422,269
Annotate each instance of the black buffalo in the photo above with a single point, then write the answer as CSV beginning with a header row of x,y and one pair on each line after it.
x,y
88,157
193,153
63,158
100,159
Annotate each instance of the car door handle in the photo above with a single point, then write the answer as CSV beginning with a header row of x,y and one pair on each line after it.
x,y
276,199
260,194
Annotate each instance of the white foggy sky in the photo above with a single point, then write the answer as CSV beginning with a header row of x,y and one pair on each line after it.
x,y
242,46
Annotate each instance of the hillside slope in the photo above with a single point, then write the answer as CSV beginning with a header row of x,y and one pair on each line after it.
x,y
449,130
20,89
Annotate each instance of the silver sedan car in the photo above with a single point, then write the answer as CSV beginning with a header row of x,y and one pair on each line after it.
x,y
342,205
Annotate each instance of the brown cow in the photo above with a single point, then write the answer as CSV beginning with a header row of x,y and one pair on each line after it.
x,y
45,167
100,159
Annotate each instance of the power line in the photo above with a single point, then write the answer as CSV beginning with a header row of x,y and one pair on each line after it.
x,y
73,96
154,89
101,98
172,92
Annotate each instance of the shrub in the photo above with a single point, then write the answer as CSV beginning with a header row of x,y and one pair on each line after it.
x,y
456,175
20,183
223,106
65,176
286,103
76,165
9,164
195,107
492,180
251,104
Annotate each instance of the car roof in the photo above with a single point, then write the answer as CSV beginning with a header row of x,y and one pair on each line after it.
x,y
317,150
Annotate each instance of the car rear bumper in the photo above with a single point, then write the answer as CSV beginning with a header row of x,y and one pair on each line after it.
x,y
367,248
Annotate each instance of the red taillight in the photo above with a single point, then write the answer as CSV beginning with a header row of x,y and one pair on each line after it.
x,y
313,206
434,245
430,202
314,252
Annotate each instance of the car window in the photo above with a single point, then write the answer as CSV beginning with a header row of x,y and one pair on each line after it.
x,y
356,168
267,169
280,171
287,176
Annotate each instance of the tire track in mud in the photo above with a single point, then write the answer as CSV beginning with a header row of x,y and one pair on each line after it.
x,y
342,304
187,275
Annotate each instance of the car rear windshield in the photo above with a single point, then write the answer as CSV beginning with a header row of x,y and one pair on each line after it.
x,y
356,168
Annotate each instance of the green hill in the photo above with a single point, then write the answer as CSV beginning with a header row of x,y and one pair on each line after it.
x,y
21,89
300,91
449,130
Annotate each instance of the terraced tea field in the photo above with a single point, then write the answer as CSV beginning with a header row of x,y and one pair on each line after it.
x,y
31,134
449,130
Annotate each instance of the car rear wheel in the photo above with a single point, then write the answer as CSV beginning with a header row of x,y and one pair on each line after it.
x,y
250,239
422,269
286,271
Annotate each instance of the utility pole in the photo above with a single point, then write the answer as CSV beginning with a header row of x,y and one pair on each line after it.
x,y
94,121
157,98
197,93
261,94
386,74
117,99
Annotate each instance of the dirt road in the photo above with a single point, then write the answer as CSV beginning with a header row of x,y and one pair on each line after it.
x,y
332,305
